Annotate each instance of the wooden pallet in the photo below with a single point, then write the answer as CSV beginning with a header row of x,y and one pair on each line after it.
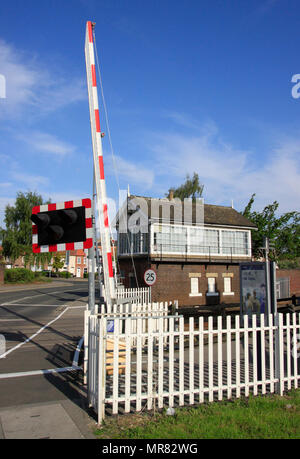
x,y
109,357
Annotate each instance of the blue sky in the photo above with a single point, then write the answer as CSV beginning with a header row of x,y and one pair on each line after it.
x,y
189,86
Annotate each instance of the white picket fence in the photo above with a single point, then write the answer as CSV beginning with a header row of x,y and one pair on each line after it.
x,y
157,311
178,365
140,295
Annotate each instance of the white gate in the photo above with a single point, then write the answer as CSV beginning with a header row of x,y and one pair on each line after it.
x,y
169,363
140,295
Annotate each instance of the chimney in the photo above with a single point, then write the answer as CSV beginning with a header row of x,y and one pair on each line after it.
x,y
171,195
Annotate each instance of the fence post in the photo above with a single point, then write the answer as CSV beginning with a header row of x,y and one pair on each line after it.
x,y
128,322
295,350
87,314
279,357
101,369
228,357
237,354
150,388
191,359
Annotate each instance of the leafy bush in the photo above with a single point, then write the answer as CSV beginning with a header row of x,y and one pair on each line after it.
x,y
18,275
289,264
65,274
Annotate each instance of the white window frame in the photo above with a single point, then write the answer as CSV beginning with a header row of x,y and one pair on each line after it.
x,y
195,291
230,292
205,252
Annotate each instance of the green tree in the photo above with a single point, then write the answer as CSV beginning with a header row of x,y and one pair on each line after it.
x,y
17,235
191,188
58,262
283,231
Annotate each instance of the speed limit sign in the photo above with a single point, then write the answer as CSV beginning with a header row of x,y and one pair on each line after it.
x,y
150,277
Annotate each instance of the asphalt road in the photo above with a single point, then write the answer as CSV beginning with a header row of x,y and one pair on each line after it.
x,y
42,328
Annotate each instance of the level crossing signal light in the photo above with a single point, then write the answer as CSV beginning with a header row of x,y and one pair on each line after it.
x,y
63,226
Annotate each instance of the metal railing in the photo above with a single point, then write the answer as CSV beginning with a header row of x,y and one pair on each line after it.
x,y
209,252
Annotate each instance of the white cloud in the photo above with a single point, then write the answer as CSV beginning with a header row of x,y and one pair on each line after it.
x,y
230,173
31,181
44,142
20,79
131,172
5,185
31,85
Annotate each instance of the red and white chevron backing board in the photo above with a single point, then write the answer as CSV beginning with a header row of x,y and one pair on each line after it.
x,y
66,246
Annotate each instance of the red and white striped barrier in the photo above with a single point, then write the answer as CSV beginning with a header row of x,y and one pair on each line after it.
x,y
70,245
98,164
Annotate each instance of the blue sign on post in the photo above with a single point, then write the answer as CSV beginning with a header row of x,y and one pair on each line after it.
x,y
110,327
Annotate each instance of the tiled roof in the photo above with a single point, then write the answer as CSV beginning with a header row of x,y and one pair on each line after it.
x,y
213,214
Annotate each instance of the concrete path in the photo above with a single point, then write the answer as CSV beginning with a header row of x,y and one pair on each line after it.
x,y
57,420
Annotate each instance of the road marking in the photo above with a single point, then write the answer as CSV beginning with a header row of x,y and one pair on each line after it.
x,y
42,305
40,294
29,297
38,332
31,305
74,367
38,372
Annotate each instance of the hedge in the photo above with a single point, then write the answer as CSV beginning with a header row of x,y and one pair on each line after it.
x,y
64,274
18,275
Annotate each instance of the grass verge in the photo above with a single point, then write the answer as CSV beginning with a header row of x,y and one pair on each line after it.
x,y
260,417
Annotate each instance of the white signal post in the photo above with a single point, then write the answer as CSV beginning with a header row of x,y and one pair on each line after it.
x,y
98,165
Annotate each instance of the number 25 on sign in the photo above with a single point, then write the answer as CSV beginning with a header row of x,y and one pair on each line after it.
x,y
150,277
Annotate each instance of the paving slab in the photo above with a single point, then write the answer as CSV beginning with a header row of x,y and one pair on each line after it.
x,y
47,421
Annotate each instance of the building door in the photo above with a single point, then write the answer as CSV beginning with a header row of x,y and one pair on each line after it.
x,y
78,272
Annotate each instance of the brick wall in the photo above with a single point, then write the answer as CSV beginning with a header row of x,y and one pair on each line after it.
x,y
174,280
294,276
174,283
126,267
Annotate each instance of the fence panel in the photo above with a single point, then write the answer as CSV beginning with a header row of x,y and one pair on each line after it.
x,y
156,361
141,295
